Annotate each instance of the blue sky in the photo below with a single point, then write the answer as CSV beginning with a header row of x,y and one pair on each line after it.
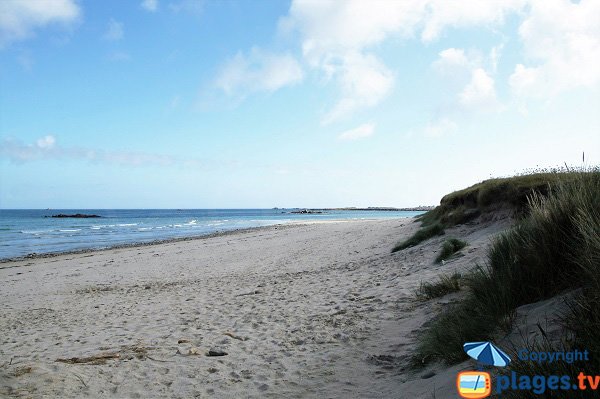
x,y
215,104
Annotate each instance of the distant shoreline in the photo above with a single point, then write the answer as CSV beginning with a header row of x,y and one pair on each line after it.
x,y
31,233
219,233
140,243
349,209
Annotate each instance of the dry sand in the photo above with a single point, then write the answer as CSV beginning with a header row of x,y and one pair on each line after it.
x,y
312,310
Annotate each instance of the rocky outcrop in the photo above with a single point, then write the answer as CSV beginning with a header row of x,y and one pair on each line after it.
x,y
76,215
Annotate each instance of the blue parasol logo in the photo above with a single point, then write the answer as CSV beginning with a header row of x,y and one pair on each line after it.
x,y
487,353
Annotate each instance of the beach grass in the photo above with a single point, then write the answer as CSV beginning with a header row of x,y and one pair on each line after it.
x,y
445,284
463,206
421,235
449,248
555,248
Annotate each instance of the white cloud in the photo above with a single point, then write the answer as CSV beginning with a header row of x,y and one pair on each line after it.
x,y
364,81
361,132
46,142
20,18
330,26
47,148
150,5
440,128
442,14
258,71
335,37
561,40
114,31
480,91
523,78
338,38
452,57
455,65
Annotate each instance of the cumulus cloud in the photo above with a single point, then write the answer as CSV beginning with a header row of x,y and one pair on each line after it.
x,y
20,18
451,57
561,40
363,81
335,39
480,91
361,132
114,31
335,35
258,71
442,14
150,5
523,79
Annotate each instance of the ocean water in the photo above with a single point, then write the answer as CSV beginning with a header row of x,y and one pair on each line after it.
x,y
24,232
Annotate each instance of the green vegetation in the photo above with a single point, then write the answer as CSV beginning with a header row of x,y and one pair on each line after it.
x,y
508,192
449,248
445,285
555,248
424,233
482,198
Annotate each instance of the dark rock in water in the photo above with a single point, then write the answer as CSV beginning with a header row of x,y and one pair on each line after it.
x,y
216,353
76,215
306,211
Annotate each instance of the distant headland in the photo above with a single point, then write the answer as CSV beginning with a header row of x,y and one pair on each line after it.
x,y
423,208
75,215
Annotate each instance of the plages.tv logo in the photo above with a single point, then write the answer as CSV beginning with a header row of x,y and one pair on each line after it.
x,y
474,384
478,384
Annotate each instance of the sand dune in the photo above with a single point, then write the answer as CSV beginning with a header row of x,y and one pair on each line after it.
x,y
309,310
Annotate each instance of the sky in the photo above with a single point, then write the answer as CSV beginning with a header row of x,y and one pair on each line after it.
x,y
260,104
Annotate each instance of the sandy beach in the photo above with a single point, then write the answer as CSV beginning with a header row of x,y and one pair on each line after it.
x,y
303,310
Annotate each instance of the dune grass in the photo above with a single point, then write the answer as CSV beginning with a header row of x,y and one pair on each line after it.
x,y
556,247
450,247
445,284
462,206
424,233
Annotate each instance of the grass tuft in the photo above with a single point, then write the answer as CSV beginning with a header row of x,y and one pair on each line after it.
x,y
421,235
446,284
449,248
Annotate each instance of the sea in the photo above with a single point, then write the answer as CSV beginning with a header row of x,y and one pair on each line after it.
x,y
26,232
